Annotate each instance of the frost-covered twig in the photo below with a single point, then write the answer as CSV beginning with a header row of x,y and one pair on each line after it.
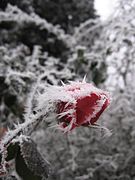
x,y
15,14
19,129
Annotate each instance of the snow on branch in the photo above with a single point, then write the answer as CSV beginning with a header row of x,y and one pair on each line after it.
x,y
14,14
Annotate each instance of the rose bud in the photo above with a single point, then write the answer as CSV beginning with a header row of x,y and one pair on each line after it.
x,y
85,108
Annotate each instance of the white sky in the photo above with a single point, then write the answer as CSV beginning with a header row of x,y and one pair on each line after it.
x,y
105,7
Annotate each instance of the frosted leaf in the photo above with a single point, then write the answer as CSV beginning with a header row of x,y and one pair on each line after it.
x,y
33,159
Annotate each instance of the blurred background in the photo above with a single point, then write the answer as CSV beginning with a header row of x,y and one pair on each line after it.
x,y
66,40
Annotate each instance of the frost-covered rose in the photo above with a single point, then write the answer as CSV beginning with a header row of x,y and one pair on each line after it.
x,y
85,105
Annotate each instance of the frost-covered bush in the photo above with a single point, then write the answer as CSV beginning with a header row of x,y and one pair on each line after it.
x,y
30,29
117,49
62,12
32,59
19,71
65,12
